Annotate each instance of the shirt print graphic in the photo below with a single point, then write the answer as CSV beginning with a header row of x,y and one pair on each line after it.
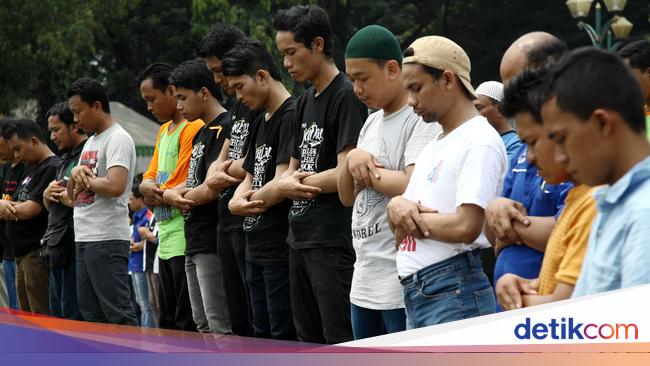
x,y
192,181
262,158
367,200
238,136
309,152
22,195
86,197
163,213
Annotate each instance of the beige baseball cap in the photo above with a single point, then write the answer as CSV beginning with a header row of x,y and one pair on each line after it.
x,y
443,54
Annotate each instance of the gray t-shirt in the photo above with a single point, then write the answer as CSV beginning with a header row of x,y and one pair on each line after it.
x,y
395,141
96,217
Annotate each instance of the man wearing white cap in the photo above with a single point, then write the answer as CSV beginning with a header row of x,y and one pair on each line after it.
x,y
488,103
438,221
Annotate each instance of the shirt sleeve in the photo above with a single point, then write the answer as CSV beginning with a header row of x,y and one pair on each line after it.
x,y
120,151
179,174
577,238
348,117
297,127
41,181
480,176
635,261
152,170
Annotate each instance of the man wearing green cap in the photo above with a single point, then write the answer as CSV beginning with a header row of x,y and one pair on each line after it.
x,y
377,169
438,221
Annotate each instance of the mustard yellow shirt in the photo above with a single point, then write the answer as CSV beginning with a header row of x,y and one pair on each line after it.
x,y
567,243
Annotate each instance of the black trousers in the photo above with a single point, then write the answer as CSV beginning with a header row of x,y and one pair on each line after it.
x,y
231,248
175,307
320,280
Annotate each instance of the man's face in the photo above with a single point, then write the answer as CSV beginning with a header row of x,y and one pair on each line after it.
x,y
425,94
369,80
60,133
488,109
301,62
249,90
135,203
85,115
161,104
579,145
214,64
191,104
6,153
541,150
24,150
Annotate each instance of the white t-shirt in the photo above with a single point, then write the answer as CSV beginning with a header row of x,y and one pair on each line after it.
x,y
97,217
395,140
465,167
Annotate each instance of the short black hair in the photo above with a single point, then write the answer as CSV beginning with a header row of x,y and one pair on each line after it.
x,y
220,39
135,189
306,22
435,73
547,51
638,54
246,58
523,94
61,110
194,74
24,129
5,123
588,78
158,73
90,91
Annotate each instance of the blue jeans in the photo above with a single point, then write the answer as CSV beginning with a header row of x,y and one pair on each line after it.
x,y
368,323
10,281
270,300
63,290
102,282
142,298
453,289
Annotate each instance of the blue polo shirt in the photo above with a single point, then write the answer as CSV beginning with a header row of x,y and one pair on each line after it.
x,y
512,144
140,219
524,185
618,254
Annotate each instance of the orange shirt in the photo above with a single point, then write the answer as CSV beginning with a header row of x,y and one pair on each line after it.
x,y
568,240
179,174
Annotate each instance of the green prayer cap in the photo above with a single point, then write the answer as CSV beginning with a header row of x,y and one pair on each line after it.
x,y
375,42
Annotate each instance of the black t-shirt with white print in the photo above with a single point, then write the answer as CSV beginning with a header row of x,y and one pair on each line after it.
x,y
201,221
266,233
12,175
325,125
25,235
240,135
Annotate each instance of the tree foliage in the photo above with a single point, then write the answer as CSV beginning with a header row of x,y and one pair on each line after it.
x,y
47,44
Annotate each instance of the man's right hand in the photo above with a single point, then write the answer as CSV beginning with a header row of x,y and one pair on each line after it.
x,y
510,289
291,186
363,166
175,198
54,191
217,178
152,193
500,215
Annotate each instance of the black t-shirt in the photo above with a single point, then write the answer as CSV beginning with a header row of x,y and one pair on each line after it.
x,y
266,233
26,235
325,125
60,216
240,135
201,221
12,176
